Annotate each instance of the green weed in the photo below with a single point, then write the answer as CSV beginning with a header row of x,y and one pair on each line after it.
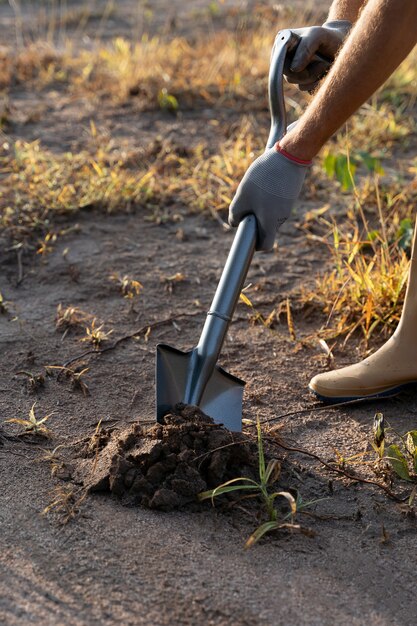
x,y
268,476
401,455
397,457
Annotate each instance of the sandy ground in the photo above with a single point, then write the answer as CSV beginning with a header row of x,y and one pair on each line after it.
x,y
131,566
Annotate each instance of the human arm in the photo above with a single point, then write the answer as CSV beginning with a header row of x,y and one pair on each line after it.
x,y
345,10
379,41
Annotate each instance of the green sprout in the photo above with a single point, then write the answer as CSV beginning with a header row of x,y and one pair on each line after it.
x,y
268,475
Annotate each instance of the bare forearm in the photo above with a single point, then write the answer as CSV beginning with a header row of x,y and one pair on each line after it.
x,y
379,41
345,10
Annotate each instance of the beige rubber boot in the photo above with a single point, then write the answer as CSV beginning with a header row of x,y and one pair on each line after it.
x,y
390,368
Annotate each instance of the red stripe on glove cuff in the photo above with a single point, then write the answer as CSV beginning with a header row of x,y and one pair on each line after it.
x,y
291,157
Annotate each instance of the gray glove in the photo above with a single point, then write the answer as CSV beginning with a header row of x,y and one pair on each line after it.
x,y
300,68
268,190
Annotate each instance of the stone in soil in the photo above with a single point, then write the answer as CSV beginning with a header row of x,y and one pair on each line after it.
x,y
167,465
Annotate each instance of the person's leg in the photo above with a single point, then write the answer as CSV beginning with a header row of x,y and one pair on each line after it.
x,y
390,367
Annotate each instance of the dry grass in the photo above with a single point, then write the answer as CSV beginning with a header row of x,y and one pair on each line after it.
x,y
215,64
225,70
71,318
364,292
369,252
219,70
39,184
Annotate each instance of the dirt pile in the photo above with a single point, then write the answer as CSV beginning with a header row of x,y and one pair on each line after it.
x,y
166,465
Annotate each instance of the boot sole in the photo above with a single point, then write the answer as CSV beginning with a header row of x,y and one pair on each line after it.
x,y
389,393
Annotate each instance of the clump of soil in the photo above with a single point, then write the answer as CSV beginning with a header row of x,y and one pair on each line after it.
x,y
167,465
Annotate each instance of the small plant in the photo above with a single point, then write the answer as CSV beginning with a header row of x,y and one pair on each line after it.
x,y
274,317
257,317
47,244
129,287
268,475
167,101
343,461
95,334
74,375
343,166
54,459
171,281
66,503
3,305
70,317
378,442
33,425
398,457
34,381
403,456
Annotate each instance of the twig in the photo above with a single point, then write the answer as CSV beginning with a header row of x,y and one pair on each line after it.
x,y
312,409
325,518
226,445
328,466
5,437
136,333
19,267
338,470
5,451
77,358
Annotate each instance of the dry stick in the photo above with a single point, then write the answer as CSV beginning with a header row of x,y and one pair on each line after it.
x,y
4,451
324,463
328,466
338,470
313,409
138,332
226,445
19,268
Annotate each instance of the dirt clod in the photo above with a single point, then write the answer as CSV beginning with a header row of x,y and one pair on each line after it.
x,y
167,465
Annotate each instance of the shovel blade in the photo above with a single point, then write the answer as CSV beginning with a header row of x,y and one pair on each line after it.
x,y
222,397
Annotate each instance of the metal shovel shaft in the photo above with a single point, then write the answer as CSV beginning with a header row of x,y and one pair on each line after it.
x,y
207,351
205,355
194,377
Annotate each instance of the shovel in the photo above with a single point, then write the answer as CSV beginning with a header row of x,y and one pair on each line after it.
x,y
194,377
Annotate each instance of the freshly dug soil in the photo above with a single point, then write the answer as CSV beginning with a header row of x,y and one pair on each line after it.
x,y
166,466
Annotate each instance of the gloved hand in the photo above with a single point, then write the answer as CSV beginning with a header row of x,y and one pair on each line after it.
x,y
268,190
300,68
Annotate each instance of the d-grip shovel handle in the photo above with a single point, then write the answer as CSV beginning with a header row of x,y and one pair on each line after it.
x,y
285,41
206,353
282,43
